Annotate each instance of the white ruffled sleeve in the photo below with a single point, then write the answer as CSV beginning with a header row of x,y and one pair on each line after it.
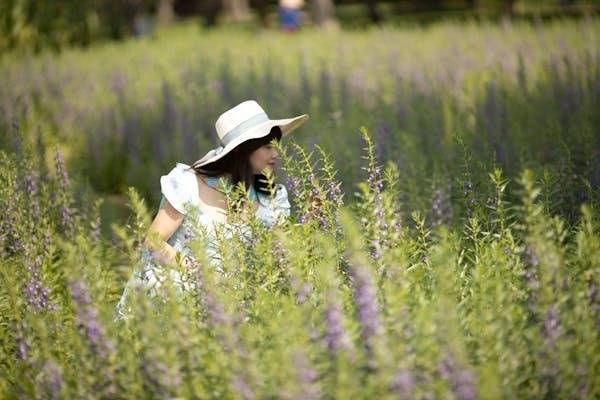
x,y
177,187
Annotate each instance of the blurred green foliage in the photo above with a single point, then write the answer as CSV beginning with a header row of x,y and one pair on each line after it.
x,y
37,24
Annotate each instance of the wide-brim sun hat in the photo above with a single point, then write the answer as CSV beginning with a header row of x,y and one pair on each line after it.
x,y
243,122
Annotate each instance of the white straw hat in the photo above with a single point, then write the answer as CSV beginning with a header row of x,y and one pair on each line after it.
x,y
245,121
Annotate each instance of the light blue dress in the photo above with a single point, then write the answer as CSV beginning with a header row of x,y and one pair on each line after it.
x,y
180,188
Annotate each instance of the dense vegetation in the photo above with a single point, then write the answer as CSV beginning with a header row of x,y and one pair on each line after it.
x,y
451,248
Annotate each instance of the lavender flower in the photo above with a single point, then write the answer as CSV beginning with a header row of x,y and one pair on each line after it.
x,y
36,294
375,182
12,242
31,191
306,376
316,208
403,384
441,206
461,381
302,290
336,337
303,219
469,196
61,171
334,194
47,238
22,348
279,253
242,387
366,303
375,179
293,184
552,330
66,220
52,379
87,320
218,317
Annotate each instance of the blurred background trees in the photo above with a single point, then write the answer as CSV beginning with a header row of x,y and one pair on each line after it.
x,y
35,24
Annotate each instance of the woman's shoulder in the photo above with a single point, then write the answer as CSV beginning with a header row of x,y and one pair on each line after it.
x,y
179,186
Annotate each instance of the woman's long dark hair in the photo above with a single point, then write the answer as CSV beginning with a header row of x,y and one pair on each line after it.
x,y
237,163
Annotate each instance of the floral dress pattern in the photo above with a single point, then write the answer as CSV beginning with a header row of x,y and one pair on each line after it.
x,y
180,188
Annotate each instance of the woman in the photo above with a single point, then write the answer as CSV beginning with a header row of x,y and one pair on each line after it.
x,y
192,196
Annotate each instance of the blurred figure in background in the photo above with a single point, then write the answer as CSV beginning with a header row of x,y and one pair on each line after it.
x,y
289,14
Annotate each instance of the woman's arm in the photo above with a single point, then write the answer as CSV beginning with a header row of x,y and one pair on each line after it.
x,y
165,223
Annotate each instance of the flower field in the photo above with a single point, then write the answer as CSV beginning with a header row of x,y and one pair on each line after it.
x,y
444,240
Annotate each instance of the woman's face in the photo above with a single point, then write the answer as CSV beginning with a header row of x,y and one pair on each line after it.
x,y
263,158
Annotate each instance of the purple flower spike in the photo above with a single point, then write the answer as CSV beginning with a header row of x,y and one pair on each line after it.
x,y
334,194
87,320
307,378
441,206
22,348
36,294
242,388
462,381
9,230
293,184
66,212
336,337
32,192
52,379
552,329
403,384
366,303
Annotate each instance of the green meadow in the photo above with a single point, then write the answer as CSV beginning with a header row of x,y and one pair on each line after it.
x,y
444,235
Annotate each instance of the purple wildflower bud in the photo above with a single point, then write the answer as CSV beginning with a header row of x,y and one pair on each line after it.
x,y
215,309
11,235
22,348
87,320
441,206
334,194
531,256
36,294
375,249
52,379
303,219
32,192
461,381
336,337
366,303
397,226
306,376
279,253
293,184
47,238
552,329
302,290
375,180
242,387
593,293
61,171
403,384
66,212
